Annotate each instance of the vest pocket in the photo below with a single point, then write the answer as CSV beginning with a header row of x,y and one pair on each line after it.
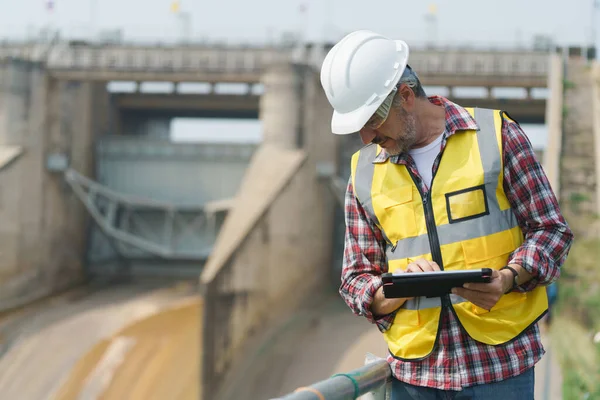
x,y
508,300
397,213
395,197
488,251
466,204
491,252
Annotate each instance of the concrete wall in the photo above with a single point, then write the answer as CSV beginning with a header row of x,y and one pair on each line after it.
x,y
578,176
284,211
554,122
44,222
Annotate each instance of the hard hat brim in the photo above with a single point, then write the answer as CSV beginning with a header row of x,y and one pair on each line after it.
x,y
352,122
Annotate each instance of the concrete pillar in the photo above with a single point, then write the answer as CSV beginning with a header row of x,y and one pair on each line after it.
x,y
32,255
43,224
27,218
281,106
296,114
77,114
103,112
15,201
324,149
15,87
65,219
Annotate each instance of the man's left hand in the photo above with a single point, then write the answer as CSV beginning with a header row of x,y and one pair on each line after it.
x,y
485,295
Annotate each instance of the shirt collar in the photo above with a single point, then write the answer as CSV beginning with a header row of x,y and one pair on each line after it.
x,y
457,119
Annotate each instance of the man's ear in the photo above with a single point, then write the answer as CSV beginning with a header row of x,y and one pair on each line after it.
x,y
408,97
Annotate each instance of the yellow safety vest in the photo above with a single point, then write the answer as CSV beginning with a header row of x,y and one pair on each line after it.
x,y
464,222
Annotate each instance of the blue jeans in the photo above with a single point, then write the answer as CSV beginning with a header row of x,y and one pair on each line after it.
x,y
518,388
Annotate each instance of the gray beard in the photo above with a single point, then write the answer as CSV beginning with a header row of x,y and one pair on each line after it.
x,y
404,141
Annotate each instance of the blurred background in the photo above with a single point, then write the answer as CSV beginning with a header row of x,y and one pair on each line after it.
x,y
171,221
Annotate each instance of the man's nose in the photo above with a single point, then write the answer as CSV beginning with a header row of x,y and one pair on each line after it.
x,y
367,135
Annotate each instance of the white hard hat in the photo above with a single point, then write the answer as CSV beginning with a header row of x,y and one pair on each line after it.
x,y
357,75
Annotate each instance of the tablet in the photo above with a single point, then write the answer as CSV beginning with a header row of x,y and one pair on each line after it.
x,y
431,284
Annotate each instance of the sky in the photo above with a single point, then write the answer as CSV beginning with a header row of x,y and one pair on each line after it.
x,y
476,22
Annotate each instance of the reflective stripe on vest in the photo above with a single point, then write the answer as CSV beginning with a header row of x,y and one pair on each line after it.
x,y
420,303
364,173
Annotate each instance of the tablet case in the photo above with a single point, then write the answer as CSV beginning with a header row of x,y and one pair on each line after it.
x,y
430,284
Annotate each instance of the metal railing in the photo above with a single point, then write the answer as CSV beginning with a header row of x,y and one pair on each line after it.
x,y
117,216
372,381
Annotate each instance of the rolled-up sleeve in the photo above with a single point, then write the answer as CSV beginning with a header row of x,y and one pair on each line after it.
x,y
363,263
548,238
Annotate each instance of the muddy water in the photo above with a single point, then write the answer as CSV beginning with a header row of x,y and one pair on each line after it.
x,y
153,359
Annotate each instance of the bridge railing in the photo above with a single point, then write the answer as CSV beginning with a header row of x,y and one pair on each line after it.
x,y
480,63
148,59
372,381
221,60
181,60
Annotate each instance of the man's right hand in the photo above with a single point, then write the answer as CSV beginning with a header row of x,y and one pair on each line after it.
x,y
422,265
382,306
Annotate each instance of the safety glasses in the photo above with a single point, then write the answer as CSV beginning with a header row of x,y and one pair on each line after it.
x,y
382,112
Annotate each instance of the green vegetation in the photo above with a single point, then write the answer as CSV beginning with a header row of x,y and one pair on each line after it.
x,y
575,200
567,84
578,320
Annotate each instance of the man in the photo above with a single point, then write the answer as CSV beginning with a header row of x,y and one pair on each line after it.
x,y
441,187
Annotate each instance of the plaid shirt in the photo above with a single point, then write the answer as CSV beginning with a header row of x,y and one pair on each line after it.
x,y
459,361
